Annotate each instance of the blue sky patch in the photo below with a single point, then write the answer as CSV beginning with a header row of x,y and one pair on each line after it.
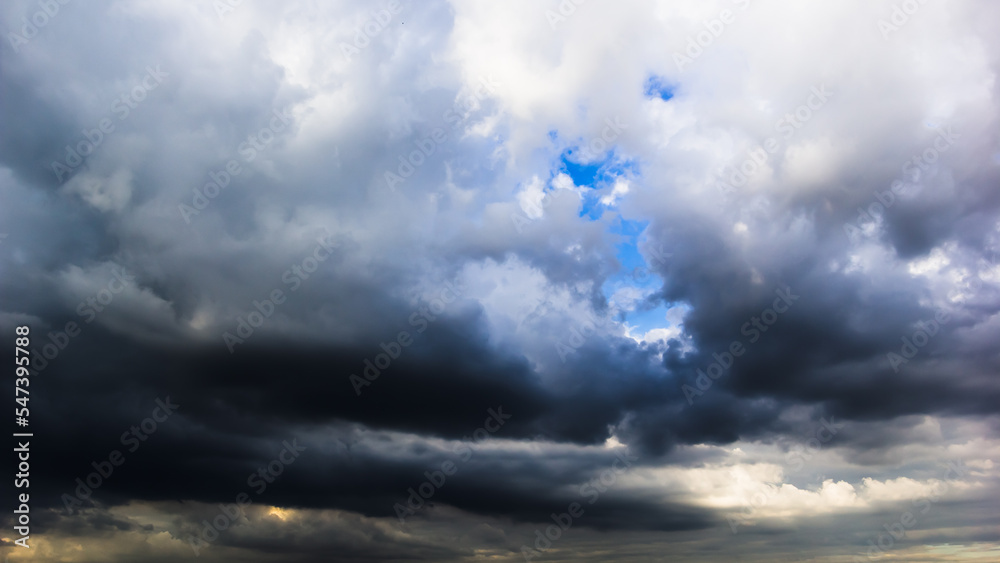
x,y
657,87
582,174
634,270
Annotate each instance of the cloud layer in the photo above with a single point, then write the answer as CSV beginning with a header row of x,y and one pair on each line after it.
x,y
750,247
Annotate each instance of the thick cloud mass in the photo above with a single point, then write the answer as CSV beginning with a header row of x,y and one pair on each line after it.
x,y
723,274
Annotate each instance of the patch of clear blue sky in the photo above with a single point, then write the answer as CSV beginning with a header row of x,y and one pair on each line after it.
x,y
658,87
594,175
635,272
601,172
576,162
633,266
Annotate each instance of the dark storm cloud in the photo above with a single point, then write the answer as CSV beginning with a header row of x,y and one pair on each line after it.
x,y
209,85
234,408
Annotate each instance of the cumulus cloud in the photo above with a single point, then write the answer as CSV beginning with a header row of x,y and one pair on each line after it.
x,y
753,245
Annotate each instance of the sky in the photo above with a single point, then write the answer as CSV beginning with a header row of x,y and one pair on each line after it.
x,y
574,281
